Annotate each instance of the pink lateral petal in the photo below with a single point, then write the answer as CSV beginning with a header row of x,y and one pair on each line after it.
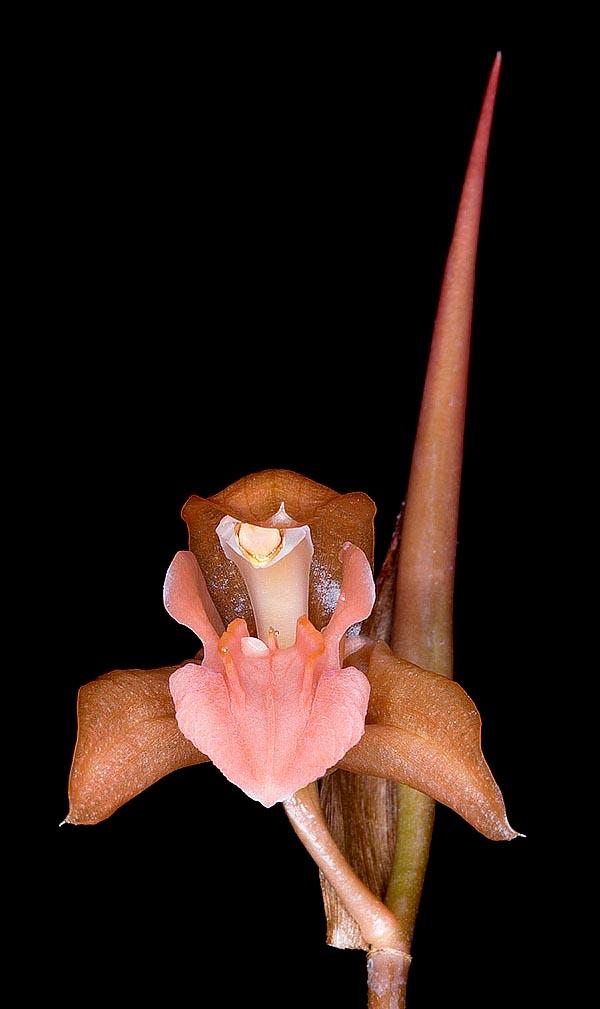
x,y
188,601
272,720
356,599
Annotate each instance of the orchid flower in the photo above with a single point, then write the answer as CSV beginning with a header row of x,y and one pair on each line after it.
x,y
276,593
309,673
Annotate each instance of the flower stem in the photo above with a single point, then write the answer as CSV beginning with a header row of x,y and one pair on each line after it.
x,y
377,924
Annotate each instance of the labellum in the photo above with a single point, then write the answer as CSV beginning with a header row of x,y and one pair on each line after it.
x,y
273,716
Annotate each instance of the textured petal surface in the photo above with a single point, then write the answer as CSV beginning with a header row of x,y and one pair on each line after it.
x,y
271,719
333,519
128,738
424,731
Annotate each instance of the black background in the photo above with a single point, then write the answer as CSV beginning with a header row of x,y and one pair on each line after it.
x,y
240,251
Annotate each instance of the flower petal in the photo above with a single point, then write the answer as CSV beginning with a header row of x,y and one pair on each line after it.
x,y
272,719
187,600
424,731
356,597
128,738
346,518
333,519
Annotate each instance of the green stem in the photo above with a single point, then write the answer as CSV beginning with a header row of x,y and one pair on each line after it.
x,y
413,839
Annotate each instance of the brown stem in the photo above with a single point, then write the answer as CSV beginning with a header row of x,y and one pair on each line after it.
x,y
387,972
422,624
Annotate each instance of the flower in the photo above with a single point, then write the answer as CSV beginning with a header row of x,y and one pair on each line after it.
x,y
291,687
275,716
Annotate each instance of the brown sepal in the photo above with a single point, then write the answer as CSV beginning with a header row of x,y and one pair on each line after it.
x,y
333,519
127,739
424,731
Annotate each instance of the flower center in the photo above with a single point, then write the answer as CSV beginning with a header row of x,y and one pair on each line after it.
x,y
274,560
259,544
